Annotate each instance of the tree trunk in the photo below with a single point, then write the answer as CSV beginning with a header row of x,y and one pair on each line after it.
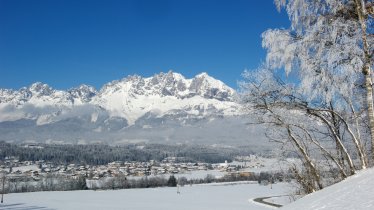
x,y
337,139
307,159
366,70
369,100
327,153
355,140
355,116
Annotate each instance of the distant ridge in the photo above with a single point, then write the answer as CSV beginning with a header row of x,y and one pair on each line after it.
x,y
166,107
129,98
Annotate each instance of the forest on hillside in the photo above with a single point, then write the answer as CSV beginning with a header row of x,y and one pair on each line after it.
x,y
99,154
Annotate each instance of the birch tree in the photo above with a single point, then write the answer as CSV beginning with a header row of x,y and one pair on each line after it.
x,y
279,105
329,46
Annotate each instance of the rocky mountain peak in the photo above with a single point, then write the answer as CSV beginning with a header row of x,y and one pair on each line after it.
x,y
84,92
170,84
134,102
129,98
40,89
208,87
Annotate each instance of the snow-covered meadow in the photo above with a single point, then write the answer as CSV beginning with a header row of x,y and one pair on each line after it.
x,y
198,197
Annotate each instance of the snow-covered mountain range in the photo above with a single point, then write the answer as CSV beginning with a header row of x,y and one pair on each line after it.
x,y
131,109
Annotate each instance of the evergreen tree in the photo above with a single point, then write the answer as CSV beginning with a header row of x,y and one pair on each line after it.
x,y
172,182
81,183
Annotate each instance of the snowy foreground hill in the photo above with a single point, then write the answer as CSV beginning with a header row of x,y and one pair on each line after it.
x,y
162,108
354,193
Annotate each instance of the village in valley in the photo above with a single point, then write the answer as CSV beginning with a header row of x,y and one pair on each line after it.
x,y
34,171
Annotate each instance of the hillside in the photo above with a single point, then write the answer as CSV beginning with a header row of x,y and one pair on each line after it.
x,y
354,193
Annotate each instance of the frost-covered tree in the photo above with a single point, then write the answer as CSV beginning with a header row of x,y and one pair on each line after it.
x,y
330,47
293,124
328,111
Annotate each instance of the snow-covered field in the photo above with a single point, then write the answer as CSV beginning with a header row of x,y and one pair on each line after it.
x,y
354,193
197,197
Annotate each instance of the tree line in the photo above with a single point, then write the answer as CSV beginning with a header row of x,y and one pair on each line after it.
x,y
49,182
100,154
58,182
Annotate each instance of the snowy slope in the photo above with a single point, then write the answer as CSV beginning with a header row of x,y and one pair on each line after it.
x,y
354,193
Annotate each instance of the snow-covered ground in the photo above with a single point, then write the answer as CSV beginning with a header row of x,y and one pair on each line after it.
x,y
200,174
197,197
354,193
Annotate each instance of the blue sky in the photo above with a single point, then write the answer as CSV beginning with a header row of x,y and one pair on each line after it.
x,y
65,43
